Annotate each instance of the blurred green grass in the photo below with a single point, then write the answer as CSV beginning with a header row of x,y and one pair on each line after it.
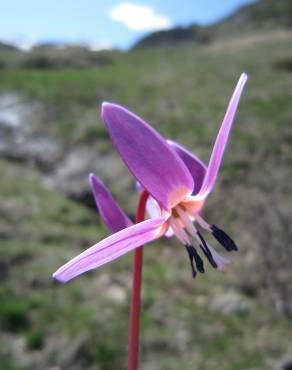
x,y
183,92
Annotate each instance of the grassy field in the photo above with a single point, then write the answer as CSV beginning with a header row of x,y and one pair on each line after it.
x,y
239,320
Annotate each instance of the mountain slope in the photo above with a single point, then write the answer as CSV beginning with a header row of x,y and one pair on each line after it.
x,y
194,34
263,15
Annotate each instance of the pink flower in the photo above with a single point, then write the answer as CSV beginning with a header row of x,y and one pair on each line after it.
x,y
178,184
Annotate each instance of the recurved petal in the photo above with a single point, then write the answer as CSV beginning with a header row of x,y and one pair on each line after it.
x,y
221,140
111,213
148,156
111,248
196,167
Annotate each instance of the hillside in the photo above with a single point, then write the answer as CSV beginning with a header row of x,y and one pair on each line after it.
x,y
261,16
7,47
55,56
195,35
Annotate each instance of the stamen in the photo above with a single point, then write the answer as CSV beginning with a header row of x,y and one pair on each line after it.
x,y
223,239
194,232
206,250
194,256
194,273
197,258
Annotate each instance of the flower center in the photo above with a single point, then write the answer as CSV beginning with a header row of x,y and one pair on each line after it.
x,y
174,211
177,195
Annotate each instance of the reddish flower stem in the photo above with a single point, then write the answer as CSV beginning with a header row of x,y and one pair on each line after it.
x,y
136,292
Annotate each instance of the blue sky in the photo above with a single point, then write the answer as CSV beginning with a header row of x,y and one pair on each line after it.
x,y
103,23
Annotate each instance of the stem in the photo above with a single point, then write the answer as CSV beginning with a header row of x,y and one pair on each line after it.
x,y
136,292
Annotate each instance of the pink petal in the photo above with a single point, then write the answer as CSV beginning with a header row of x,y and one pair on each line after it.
x,y
111,248
151,160
113,216
221,140
196,167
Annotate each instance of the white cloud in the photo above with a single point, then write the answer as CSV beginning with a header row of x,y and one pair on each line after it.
x,y
139,17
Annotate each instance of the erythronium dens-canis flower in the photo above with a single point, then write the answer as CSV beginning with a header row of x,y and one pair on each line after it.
x,y
178,184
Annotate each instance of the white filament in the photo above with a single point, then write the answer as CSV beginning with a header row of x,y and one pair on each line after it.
x,y
202,222
179,231
186,221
